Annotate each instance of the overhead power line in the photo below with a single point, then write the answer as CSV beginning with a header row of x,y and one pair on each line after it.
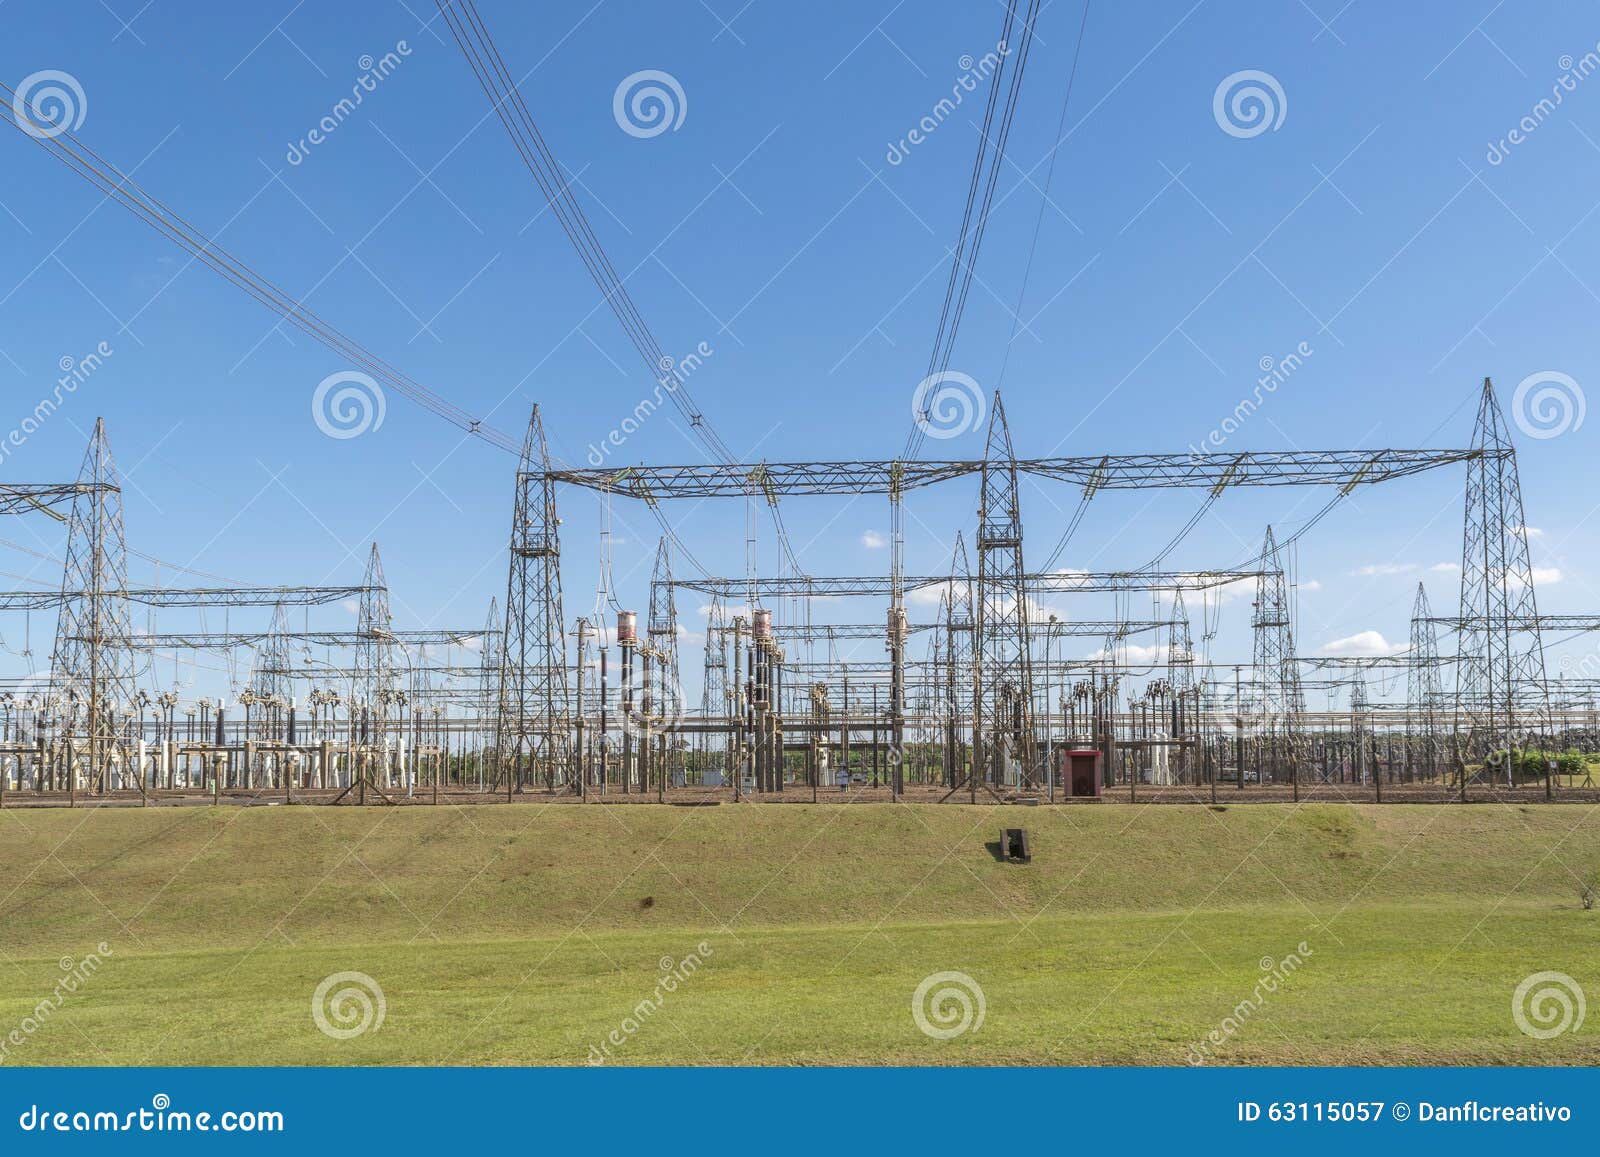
x,y
123,189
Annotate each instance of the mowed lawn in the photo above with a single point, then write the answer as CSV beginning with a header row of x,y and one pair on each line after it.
x,y
540,935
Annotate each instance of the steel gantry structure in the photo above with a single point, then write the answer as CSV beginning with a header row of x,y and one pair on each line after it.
x,y
986,642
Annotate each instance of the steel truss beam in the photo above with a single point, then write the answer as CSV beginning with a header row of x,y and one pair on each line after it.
x,y
192,597
1346,468
23,497
881,586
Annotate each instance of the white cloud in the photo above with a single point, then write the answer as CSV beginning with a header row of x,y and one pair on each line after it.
x,y
872,540
1244,588
1361,643
1135,654
1309,585
1546,575
1384,568
1446,568
728,610
1532,532
929,596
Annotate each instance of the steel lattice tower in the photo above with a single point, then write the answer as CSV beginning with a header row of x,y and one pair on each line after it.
x,y
1501,693
92,668
1180,648
960,672
274,664
1279,700
375,666
1006,688
714,684
1424,693
661,628
489,653
531,719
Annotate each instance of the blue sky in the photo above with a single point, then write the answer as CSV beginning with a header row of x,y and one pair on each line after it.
x,y
1370,227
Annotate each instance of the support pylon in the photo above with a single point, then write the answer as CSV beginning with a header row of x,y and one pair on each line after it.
x,y
92,667
714,702
661,629
1006,687
271,677
1280,703
1502,699
531,738
1424,694
1180,679
375,662
961,687
489,658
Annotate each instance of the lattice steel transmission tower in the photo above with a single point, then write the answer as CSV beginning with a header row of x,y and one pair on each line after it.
x,y
1180,678
1180,647
272,676
1006,687
960,668
489,659
1501,694
714,700
531,740
1424,690
661,629
374,657
1279,700
92,665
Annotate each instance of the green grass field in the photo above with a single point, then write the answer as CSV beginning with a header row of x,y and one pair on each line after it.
x,y
527,934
